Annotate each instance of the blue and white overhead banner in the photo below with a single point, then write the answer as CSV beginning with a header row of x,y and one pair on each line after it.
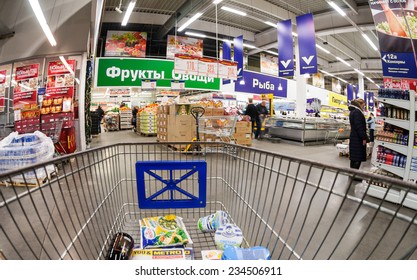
x,y
226,55
399,65
350,95
285,49
307,44
238,55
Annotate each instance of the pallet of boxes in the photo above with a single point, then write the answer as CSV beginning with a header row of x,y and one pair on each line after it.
x,y
148,121
175,124
125,116
243,133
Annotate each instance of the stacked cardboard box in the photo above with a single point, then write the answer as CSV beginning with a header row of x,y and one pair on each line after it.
x,y
172,127
148,123
213,111
125,119
243,133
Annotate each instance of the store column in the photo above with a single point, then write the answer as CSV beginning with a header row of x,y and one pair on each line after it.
x,y
300,87
361,84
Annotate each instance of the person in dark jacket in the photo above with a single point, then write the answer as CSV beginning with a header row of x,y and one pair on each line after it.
x,y
263,113
253,113
358,137
100,113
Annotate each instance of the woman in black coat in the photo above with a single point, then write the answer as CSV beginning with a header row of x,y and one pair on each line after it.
x,y
358,137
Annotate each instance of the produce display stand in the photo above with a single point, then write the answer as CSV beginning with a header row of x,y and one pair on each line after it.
x,y
297,209
111,121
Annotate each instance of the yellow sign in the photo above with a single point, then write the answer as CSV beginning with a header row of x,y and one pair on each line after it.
x,y
267,96
338,100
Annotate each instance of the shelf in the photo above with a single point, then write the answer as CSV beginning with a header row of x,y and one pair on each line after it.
x,y
399,171
395,147
381,193
400,123
405,104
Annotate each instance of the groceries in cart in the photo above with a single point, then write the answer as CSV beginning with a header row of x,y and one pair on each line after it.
x,y
254,253
228,235
163,231
18,151
163,254
120,247
213,222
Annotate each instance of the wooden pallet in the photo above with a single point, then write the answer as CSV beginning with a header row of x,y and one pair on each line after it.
x,y
39,182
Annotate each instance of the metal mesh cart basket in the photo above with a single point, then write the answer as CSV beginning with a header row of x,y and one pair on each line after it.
x,y
298,209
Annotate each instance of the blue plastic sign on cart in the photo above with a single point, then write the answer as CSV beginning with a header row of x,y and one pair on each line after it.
x,y
146,172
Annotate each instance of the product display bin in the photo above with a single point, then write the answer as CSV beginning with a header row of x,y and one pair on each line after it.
x,y
298,209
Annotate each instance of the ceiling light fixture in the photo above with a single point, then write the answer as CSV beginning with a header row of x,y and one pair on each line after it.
x,y
188,22
215,2
359,72
233,11
342,60
249,46
118,9
337,8
128,12
195,34
369,41
42,21
321,48
271,24
272,52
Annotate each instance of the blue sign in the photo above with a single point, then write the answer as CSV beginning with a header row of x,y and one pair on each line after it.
x,y
307,44
227,46
350,95
399,65
262,84
285,49
41,91
238,55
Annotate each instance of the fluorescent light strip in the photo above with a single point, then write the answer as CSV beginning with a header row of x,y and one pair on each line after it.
x,y
369,79
128,12
249,46
195,34
337,8
271,24
233,11
321,48
64,61
369,41
329,74
188,22
341,60
42,21
272,52
359,71
215,2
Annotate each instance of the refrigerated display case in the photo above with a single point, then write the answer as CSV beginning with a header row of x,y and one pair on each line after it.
x,y
308,130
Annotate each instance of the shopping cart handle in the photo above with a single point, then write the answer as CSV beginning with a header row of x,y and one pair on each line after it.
x,y
197,112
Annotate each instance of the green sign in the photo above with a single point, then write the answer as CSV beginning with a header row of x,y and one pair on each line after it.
x,y
129,72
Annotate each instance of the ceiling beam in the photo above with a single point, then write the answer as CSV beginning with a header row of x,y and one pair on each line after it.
x,y
352,5
344,29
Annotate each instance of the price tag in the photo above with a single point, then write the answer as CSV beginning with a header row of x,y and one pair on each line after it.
x,y
186,64
207,67
228,70
178,85
149,84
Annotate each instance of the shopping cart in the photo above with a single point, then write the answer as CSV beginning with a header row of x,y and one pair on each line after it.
x,y
218,129
298,209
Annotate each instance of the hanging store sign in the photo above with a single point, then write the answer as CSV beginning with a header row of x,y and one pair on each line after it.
x,y
3,74
238,55
397,34
398,83
148,84
337,100
129,72
269,64
262,84
208,67
178,85
184,45
285,49
226,55
228,70
125,43
350,92
186,64
307,44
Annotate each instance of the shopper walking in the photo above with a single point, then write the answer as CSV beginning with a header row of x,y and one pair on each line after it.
x,y
263,113
253,113
371,124
100,113
358,137
134,117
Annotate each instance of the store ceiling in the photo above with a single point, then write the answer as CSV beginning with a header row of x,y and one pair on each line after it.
x,y
337,34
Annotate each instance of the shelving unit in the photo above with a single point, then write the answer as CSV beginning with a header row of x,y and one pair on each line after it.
x,y
125,119
397,196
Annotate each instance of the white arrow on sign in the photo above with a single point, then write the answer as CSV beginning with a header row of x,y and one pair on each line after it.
x,y
384,58
308,60
286,63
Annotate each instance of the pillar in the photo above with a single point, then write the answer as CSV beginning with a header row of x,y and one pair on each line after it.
x,y
301,88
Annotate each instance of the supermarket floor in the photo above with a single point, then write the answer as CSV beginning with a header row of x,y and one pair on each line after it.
x,y
320,153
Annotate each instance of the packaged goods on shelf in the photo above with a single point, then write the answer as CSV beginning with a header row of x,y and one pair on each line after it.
x,y
394,93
